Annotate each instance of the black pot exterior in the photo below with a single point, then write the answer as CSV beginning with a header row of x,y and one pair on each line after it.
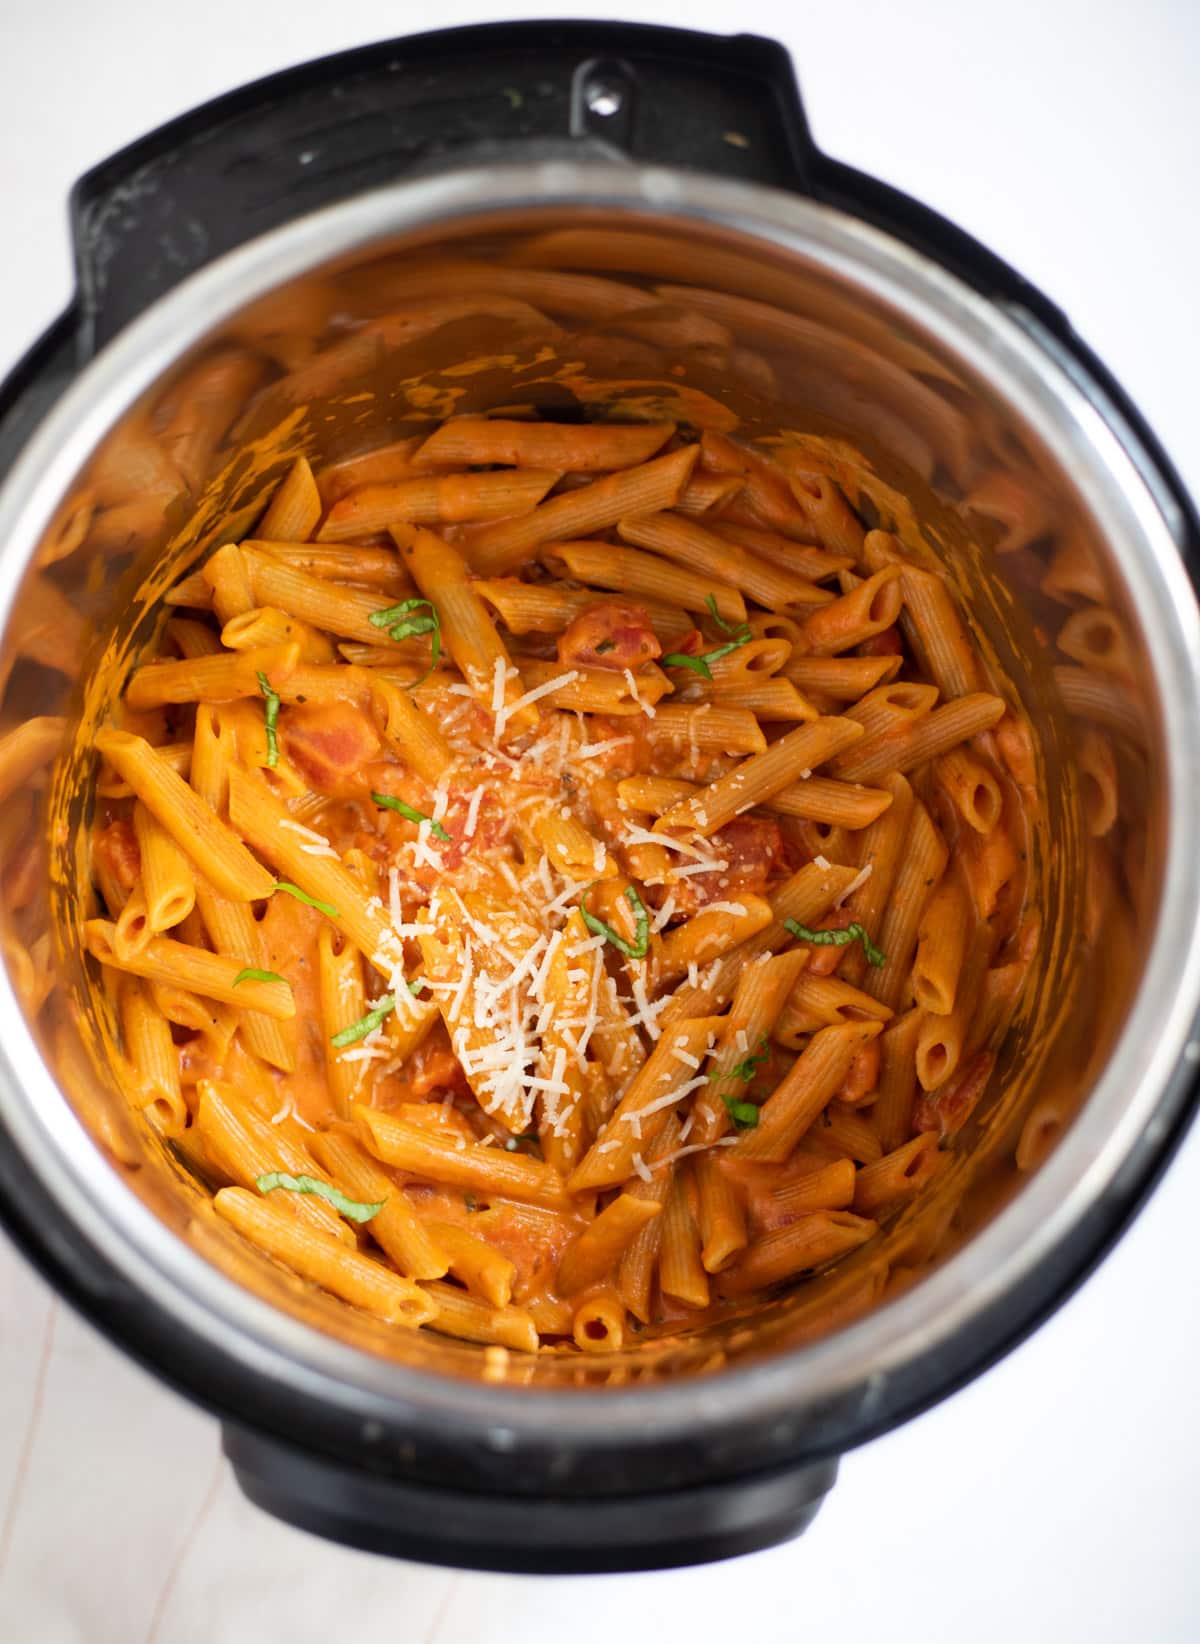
x,y
226,174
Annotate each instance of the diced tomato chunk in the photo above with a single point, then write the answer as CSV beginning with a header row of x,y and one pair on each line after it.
x,y
947,1110
862,1076
436,1067
328,742
751,846
116,849
613,634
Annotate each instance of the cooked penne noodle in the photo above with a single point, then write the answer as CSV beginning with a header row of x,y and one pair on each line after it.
x,y
643,1109
375,467
905,746
801,558
457,1314
828,1187
148,1044
215,849
544,608
266,627
468,630
857,616
757,778
220,678
710,933
346,612
719,1212
799,1098
688,543
484,1271
844,678
921,865
295,508
892,1113
941,947
498,549
316,1256
211,975
821,1001
568,448
642,576
708,493
593,1253
434,499
972,787
167,879
899,1175
343,1001
763,984
681,1273
259,817
424,1152
770,699
804,1245
704,728
414,1246
598,1323
364,567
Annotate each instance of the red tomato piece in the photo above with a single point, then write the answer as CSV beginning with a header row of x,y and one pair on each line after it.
x,y
328,742
613,634
751,846
116,849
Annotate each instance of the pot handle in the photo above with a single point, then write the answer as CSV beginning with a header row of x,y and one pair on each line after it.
x,y
234,168
385,1512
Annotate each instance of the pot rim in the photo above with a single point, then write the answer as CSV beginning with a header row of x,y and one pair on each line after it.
x,y
1129,1105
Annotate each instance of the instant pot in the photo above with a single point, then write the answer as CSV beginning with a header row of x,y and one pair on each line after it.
x,y
947,398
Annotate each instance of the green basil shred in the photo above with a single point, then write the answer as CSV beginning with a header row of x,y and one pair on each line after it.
x,y
401,625
326,908
838,939
272,718
410,814
747,1069
250,975
640,946
741,634
365,1024
743,1114
352,1208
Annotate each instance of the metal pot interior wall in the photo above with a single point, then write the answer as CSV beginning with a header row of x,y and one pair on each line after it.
x,y
842,389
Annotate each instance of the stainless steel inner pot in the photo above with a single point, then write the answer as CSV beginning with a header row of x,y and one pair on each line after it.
x,y
960,420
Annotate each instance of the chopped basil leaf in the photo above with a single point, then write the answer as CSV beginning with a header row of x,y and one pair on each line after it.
x,y
272,717
838,939
365,1024
736,629
698,664
410,814
743,1114
747,1069
326,908
605,646
249,975
353,1208
640,946
401,626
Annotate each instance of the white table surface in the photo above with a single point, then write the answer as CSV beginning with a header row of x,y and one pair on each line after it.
x,y
1057,1497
